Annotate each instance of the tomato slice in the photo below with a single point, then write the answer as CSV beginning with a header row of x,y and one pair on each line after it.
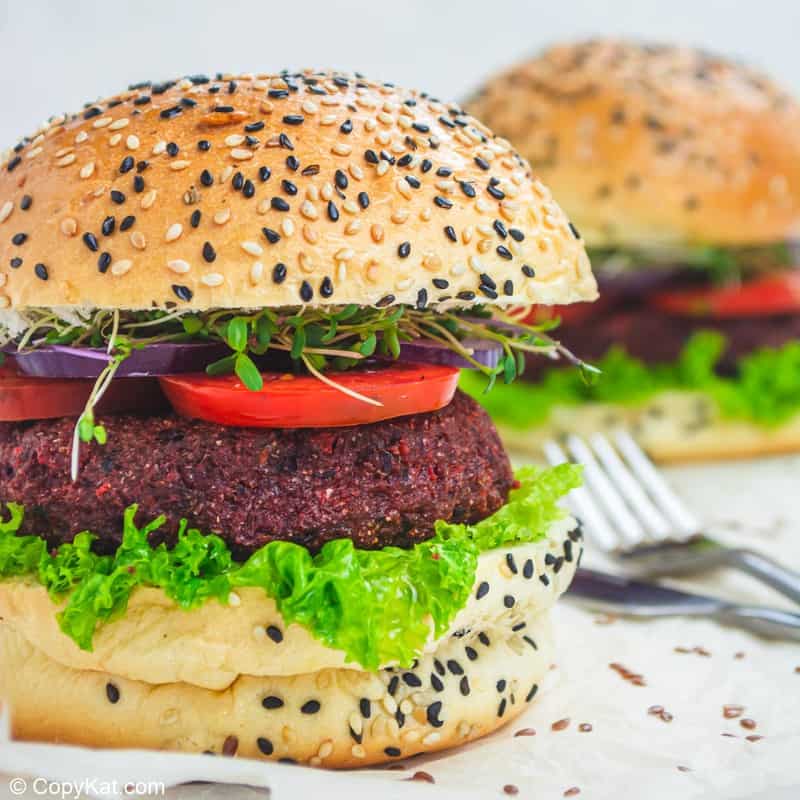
x,y
25,398
773,294
290,401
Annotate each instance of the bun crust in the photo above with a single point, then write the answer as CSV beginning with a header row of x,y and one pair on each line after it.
x,y
229,694
645,145
278,190
672,427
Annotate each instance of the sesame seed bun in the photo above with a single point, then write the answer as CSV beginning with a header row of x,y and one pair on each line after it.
x,y
646,145
278,190
283,696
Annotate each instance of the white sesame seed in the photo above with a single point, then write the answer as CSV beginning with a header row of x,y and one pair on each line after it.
x,y
149,198
330,100
179,266
66,160
476,265
355,722
119,124
212,279
63,151
400,215
177,165
81,137
352,227
341,271
287,226
174,232
33,153
132,142
326,748
256,273
240,154
350,207
356,172
405,121
225,174
457,269
234,600
383,138
402,285
358,751
221,217
308,210
267,106
101,122
389,704
382,167
5,211
234,140
263,206
403,187
306,264
431,738
159,148
341,149
69,226
115,139
87,170
386,119
345,254
138,240
327,119
121,267
253,248
309,107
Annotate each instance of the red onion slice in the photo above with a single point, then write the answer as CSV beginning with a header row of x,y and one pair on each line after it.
x,y
484,351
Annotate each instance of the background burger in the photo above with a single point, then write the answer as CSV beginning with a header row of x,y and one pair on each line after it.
x,y
247,510
682,171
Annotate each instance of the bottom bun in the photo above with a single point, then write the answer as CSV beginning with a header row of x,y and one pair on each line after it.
x,y
672,426
480,675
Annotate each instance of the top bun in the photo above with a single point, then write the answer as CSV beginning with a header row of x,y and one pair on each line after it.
x,y
650,144
313,188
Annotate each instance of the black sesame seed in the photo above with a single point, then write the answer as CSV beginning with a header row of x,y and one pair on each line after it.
x,y
501,685
498,194
311,169
530,642
463,686
232,85
442,202
288,187
413,182
15,263
182,292
527,569
194,220
508,288
472,653
400,717
279,204
274,634
237,181
138,184
19,238
512,564
392,751
311,707
271,702
209,253
549,559
172,149
411,679
386,300
508,601
170,113
488,291
371,157
14,163
393,684
265,746
467,188
426,165
112,693
306,292
558,564
117,197
108,226
466,296
326,287
204,145
104,262
544,579
504,252
254,126
528,272
206,178
294,119
574,230
26,202
41,272
141,166
440,283
333,212
278,94
271,235
285,142
516,234
487,281
264,173
532,693
279,273
454,667
90,240
127,223
340,179
404,250
432,713
484,639
518,627
292,163
286,760
483,590
438,666
126,165
436,682
93,111
418,126
501,709
365,707
142,100
346,127
422,299
404,161
363,199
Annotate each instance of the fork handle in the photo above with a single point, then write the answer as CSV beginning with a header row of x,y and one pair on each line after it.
x,y
783,580
772,623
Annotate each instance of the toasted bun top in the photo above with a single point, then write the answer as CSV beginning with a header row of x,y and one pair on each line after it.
x,y
276,190
650,144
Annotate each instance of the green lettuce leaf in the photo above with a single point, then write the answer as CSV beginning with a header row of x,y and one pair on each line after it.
x,y
766,389
377,606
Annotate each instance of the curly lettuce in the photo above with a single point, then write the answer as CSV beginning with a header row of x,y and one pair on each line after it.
x,y
765,390
377,606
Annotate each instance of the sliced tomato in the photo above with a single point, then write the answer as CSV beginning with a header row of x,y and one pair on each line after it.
x,y
773,294
290,401
24,398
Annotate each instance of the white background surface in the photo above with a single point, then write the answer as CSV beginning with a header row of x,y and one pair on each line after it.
x,y
57,54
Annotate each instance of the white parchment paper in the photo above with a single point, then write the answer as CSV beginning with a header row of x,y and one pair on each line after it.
x,y
628,753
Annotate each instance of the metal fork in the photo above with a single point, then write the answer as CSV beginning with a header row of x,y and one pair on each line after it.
x,y
631,512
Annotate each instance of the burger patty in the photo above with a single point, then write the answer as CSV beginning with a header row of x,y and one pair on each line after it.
x,y
656,337
380,484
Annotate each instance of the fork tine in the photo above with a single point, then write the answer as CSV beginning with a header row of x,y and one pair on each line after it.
x,y
583,506
687,524
614,506
656,525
